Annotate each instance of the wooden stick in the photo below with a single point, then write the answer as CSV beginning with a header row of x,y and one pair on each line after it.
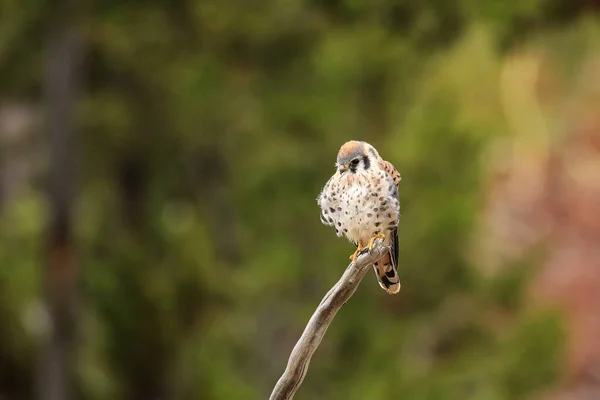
x,y
339,294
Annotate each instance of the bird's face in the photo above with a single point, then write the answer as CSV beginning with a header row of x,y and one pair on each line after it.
x,y
356,157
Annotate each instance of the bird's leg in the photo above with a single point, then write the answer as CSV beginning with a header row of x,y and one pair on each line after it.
x,y
359,248
373,239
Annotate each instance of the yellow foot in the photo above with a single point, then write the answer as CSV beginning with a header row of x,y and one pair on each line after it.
x,y
355,255
373,239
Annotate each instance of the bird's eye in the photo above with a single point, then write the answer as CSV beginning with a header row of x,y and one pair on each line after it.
x,y
354,162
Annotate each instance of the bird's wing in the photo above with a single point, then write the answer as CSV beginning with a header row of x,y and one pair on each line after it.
x,y
325,218
386,269
391,170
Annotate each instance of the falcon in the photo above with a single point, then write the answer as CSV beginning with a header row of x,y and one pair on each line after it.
x,y
361,202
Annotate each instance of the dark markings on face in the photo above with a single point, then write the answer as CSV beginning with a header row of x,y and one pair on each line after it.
x,y
366,162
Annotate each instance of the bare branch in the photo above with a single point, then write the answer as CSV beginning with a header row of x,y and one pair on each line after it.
x,y
339,294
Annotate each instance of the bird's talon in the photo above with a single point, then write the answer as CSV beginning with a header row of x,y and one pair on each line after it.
x,y
354,256
359,249
373,239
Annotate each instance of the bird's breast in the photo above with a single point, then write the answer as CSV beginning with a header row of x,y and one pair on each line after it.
x,y
359,205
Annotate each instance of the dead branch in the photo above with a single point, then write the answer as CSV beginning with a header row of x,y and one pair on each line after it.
x,y
339,294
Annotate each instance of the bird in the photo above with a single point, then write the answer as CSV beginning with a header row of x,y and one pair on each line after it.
x,y
361,202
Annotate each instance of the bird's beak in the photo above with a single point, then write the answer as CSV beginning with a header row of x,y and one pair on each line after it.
x,y
342,168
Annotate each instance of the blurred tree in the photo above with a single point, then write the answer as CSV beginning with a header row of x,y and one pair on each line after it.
x,y
60,273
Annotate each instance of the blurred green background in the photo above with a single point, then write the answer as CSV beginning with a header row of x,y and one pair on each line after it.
x,y
159,233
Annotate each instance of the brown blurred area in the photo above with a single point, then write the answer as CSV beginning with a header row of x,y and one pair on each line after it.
x,y
546,190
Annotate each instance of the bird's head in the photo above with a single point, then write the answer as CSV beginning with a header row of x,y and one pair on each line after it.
x,y
355,156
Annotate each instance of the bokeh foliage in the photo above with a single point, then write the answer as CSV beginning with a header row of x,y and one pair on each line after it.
x,y
206,130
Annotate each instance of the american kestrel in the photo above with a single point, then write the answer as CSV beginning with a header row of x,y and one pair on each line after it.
x,y
361,201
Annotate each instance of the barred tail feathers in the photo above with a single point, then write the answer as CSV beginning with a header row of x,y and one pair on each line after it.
x,y
387,274
386,268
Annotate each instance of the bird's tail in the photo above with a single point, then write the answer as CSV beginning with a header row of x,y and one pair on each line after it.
x,y
386,270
